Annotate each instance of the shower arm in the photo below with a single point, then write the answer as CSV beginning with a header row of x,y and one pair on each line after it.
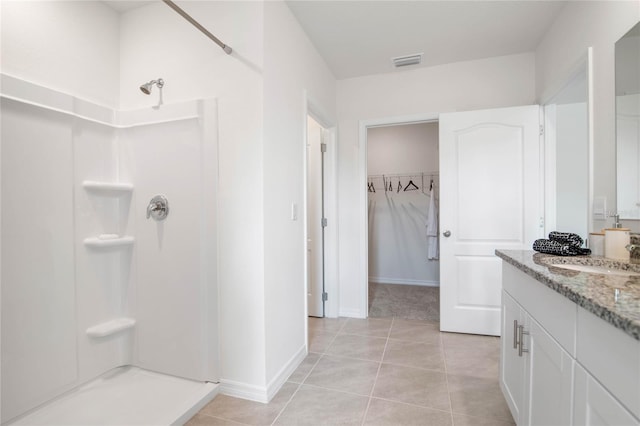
x,y
196,24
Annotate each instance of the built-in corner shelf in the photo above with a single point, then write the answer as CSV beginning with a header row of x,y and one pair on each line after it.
x,y
107,187
111,327
105,241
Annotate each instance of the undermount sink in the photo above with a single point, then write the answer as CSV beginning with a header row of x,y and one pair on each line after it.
x,y
596,269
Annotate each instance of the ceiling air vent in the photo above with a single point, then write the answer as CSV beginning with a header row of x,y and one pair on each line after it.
x,y
403,61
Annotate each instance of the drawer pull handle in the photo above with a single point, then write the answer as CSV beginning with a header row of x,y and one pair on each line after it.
x,y
515,334
521,348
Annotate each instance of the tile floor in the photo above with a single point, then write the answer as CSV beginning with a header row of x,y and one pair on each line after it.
x,y
380,372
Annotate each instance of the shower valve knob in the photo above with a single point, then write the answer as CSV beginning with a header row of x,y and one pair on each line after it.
x,y
158,208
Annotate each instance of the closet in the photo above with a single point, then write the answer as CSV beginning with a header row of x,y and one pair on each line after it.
x,y
402,179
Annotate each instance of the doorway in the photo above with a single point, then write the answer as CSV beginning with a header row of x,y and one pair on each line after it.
x,y
316,219
402,187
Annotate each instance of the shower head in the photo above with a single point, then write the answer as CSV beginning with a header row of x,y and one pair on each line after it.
x,y
146,87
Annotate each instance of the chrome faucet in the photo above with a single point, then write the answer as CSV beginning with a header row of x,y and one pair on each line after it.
x,y
631,247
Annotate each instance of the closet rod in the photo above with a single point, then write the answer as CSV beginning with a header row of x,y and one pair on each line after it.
x,y
433,174
196,24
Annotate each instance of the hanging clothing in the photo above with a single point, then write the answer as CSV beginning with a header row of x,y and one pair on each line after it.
x,y
432,227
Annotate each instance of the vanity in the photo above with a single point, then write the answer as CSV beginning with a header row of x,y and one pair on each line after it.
x,y
570,349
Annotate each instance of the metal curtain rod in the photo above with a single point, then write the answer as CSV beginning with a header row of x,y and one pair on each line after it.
x,y
196,24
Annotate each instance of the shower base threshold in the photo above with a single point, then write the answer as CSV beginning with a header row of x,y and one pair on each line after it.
x,y
126,396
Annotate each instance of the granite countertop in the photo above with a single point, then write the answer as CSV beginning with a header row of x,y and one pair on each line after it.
x,y
594,292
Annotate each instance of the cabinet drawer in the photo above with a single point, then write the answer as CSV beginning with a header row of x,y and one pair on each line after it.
x,y
555,313
612,357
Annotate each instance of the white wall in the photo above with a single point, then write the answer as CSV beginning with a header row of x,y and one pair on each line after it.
x,y
397,220
580,25
70,46
292,70
487,83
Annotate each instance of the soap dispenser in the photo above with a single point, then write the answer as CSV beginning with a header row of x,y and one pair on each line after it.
x,y
616,240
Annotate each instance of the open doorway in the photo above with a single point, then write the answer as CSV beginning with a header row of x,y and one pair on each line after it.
x,y
402,192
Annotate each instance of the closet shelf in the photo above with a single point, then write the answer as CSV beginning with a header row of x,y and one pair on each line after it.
x,y
111,327
96,242
114,187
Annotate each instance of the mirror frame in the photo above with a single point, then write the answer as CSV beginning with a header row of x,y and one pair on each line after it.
x,y
620,210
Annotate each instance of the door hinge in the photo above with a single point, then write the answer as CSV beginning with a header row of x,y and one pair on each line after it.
x,y
541,130
323,147
324,222
325,297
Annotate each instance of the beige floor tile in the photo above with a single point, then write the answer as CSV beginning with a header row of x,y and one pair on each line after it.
x,y
462,420
356,346
455,340
326,325
378,327
414,354
388,413
316,407
304,368
344,374
250,412
477,396
204,420
414,331
412,385
319,341
472,361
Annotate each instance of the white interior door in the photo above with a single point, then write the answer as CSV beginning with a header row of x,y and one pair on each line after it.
x,y
489,199
315,249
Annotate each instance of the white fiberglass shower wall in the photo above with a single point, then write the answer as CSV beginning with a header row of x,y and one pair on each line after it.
x,y
89,283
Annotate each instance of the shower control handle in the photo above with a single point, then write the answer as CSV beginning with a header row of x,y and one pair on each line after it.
x,y
158,208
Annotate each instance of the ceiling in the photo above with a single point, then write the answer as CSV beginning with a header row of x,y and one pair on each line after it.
x,y
125,5
358,38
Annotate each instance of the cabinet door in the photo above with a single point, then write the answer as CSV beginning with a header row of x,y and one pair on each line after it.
x,y
549,381
594,405
511,365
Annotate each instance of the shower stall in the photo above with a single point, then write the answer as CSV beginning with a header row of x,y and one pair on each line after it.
x,y
109,312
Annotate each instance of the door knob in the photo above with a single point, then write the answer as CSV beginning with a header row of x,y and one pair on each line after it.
x,y
447,233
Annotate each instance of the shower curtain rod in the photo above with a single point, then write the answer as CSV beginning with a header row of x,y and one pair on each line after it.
x,y
196,24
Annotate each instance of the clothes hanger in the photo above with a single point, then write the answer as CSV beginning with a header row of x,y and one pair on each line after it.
x,y
399,186
411,186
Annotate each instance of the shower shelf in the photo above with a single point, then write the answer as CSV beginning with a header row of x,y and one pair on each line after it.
x,y
95,242
115,187
111,327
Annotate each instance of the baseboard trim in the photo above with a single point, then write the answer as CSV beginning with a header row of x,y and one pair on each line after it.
x,y
404,281
281,377
263,394
243,390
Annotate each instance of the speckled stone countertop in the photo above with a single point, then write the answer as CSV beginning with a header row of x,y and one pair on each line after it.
x,y
594,292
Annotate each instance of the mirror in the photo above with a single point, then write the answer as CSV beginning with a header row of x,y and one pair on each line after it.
x,y
628,124
567,155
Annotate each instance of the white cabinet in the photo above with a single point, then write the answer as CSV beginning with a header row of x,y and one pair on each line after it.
x,y
594,405
511,364
536,374
549,378
561,365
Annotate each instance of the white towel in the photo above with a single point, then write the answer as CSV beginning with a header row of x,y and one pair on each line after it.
x,y
432,228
